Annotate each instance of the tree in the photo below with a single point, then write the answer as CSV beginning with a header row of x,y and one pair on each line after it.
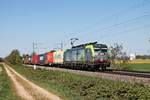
x,y
14,57
116,51
1,59
118,57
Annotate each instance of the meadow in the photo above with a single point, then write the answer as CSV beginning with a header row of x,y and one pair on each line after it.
x,y
70,86
140,65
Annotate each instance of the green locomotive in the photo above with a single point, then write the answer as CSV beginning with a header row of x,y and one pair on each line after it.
x,y
91,56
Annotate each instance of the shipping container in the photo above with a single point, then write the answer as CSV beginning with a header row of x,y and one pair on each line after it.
x,y
49,58
35,59
42,59
58,57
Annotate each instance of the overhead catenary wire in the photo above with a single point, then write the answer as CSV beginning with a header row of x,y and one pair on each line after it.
x,y
116,25
129,9
126,31
133,7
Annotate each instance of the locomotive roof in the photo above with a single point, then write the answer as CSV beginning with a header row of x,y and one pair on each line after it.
x,y
92,43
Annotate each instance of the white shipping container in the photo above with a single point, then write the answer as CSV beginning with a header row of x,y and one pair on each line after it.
x,y
58,57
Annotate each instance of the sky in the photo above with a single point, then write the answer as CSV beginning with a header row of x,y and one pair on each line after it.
x,y
51,22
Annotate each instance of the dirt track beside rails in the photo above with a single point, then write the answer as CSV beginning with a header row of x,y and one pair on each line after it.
x,y
106,75
26,89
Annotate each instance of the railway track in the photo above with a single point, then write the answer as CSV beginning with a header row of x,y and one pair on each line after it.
x,y
110,71
132,73
116,75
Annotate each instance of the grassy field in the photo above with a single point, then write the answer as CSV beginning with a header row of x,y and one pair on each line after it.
x,y
140,67
76,87
136,65
6,91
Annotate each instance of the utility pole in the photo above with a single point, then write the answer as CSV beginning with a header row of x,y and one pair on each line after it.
x,y
61,45
73,41
34,47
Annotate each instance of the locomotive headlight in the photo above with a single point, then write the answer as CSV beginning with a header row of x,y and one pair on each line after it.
x,y
101,59
101,54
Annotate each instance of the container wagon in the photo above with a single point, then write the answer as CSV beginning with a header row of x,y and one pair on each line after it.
x,y
52,58
46,58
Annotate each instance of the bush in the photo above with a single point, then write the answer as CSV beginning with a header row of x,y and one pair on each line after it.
x,y
14,57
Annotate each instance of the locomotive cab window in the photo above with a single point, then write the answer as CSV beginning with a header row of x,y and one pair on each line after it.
x,y
97,51
100,54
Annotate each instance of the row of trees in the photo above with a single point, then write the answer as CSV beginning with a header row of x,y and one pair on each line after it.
x,y
14,57
142,56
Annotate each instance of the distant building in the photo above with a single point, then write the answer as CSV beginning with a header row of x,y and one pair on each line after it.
x,y
132,56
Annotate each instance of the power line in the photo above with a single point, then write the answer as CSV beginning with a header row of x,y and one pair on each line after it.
x,y
124,22
118,24
145,2
129,30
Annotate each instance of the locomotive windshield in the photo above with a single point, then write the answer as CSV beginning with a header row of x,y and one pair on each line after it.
x,y
100,51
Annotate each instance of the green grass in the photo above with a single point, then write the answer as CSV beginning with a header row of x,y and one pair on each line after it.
x,y
133,66
77,87
6,91
140,67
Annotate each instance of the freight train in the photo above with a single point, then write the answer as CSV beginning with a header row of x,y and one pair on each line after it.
x,y
89,56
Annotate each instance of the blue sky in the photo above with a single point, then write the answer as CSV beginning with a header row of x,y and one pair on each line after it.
x,y
49,22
